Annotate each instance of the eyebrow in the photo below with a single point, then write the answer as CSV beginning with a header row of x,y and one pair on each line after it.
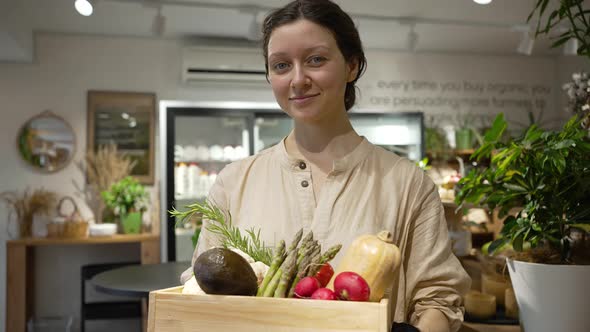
x,y
307,50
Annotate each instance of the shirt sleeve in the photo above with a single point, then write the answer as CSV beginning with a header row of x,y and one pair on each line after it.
x,y
217,196
435,276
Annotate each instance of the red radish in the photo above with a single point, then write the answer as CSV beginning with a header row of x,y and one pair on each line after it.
x,y
306,287
325,274
324,294
350,286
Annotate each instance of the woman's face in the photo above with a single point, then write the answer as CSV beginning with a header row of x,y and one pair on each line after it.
x,y
307,71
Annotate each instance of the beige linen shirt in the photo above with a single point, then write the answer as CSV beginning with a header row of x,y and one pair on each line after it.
x,y
369,190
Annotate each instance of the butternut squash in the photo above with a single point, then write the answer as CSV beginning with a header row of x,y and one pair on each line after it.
x,y
373,257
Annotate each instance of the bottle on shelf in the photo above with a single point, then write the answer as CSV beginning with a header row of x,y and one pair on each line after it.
x,y
211,181
180,180
203,182
193,174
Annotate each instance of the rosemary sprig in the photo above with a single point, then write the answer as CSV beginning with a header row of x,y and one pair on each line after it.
x,y
220,224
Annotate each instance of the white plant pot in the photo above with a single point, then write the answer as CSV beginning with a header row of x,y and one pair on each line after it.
x,y
551,297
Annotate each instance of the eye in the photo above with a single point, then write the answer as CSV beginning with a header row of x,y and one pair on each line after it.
x,y
280,66
316,60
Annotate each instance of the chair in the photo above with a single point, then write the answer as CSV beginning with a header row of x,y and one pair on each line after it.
x,y
105,310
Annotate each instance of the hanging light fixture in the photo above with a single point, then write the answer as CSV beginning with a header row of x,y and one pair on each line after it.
x,y
527,43
84,7
571,47
412,38
159,23
254,29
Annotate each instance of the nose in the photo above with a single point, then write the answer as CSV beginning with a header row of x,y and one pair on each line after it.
x,y
300,79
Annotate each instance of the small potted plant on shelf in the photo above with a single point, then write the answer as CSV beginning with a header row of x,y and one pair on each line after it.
x,y
128,200
466,134
545,177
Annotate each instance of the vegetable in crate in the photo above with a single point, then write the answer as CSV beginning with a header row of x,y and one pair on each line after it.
x,y
224,272
306,287
373,257
325,274
220,223
324,294
350,286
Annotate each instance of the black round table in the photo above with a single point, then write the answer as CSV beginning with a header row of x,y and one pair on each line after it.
x,y
139,280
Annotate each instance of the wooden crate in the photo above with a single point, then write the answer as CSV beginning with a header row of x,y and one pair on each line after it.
x,y
172,311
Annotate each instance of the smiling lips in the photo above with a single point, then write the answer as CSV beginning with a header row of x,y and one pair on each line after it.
x,y
303,99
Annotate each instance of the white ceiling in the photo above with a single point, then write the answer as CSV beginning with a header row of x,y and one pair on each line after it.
x,y
442,25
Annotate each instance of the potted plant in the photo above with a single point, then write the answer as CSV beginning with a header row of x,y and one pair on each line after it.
x,y
466,134
545,177
128,200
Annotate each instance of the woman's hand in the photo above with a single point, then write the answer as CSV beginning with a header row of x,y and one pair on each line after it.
x,y
433,320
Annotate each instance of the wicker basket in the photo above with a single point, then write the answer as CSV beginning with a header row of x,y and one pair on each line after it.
x,y
75,229
55,229
72,225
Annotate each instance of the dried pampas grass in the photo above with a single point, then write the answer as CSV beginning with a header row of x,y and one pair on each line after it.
x,y
28,204
102,168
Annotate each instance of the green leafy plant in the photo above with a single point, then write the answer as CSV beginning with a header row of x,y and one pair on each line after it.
x,y
126,195
545,175
423,164
576,17
220,223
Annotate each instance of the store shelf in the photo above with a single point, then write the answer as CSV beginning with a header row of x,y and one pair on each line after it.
x,y
464,152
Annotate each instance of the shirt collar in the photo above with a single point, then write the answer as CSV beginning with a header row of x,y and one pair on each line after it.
x,y
347,162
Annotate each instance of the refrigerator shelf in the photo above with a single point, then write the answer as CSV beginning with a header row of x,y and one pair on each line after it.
x,y
198,161
190,199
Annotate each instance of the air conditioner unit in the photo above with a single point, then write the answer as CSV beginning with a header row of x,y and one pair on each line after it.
x,y
217,64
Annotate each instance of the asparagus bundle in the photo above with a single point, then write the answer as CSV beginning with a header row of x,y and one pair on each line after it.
x,y
294,263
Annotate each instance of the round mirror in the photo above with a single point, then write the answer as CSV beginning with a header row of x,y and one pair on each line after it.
x,y
46,142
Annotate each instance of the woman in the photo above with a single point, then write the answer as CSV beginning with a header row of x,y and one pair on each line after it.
x,y
325,177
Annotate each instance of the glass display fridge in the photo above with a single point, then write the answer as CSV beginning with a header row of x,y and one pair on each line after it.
x,y
198,139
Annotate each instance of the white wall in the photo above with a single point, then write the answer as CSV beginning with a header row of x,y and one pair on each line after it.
x,y
66,67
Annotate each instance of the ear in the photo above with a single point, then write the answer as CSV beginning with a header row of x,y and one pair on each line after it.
x,y
352,69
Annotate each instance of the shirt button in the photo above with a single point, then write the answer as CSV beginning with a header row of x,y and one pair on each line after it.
x,y
304,184
302,165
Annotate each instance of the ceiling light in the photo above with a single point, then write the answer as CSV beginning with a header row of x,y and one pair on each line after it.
x,y
482,2
159,23
412,38
527,43
84,7
571,47
254,31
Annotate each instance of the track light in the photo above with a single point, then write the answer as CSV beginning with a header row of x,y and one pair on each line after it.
x,y
254,32
159,23
412,38
527,43
84,7
571,47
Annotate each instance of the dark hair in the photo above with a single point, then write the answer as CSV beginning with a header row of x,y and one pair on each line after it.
x,y
330,16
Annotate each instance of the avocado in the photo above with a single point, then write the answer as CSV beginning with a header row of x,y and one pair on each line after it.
x,y
224,272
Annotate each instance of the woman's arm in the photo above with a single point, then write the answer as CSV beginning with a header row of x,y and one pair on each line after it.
x,y
433,320
435,278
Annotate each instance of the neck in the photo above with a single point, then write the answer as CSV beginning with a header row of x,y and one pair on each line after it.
x,y
322,143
